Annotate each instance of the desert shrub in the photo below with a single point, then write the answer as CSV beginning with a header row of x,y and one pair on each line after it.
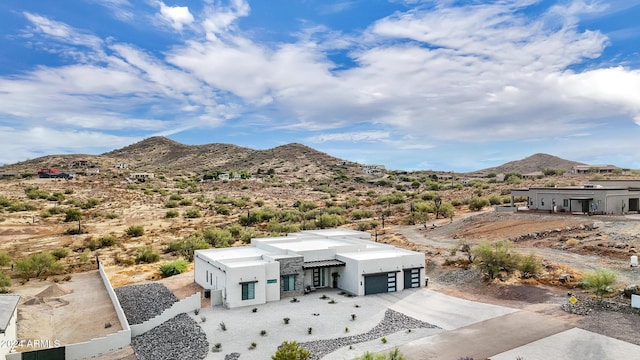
x,y
72,215
222,210
108,240
290,216
476,204
529,266
291,351
259,203
33,192
393,198
147,254
186,247
495,200
329,221
135,230
5,259
56,196
599,281
186,202
68,191
257,216
304,206
175,197
362,214
174,268
276,227
493,258
171,204
335,210
91,203
192,213
5,283
170,214
111,215
218,237
37,265
45,214
60,253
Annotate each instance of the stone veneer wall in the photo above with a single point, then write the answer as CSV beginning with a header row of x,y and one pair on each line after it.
x,y
291,266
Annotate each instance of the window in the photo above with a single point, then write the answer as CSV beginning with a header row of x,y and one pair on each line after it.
x,y
565,202
288,283
542,201
248,291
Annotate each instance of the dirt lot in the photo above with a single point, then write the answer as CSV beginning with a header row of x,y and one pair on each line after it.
x,y
59,311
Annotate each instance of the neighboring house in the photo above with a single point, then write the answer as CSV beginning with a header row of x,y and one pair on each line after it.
x,y
591,169
533,175
4,174
120,166
272,268
51,173
223,176
8,327
141,176
597,197
373,169
92,171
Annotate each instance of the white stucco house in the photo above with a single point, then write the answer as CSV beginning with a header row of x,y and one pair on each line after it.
x,y
272,268
596,197
8,318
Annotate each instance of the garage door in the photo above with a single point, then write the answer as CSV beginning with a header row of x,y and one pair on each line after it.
x,y
411,278
379,283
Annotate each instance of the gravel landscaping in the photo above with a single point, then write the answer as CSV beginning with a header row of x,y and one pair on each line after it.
x,y
142,302
179,338
393,322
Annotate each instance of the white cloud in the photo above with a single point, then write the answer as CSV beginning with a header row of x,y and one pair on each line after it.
x,y
351,136
62,32
176,16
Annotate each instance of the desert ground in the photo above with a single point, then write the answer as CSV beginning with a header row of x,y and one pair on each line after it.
x,y
566,244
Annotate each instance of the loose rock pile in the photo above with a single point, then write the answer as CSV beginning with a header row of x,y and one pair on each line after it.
x,y
142,302
459,277
179,338
586,305
393,322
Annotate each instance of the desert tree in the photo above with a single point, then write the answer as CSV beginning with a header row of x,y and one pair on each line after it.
x,y
600,281
291,351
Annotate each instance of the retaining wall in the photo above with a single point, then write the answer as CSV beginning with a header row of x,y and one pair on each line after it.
x,y
183,306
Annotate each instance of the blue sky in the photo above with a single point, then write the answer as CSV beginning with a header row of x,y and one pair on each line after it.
x,y
413,85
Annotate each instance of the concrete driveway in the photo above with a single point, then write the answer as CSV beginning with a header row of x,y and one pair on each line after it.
x,y
465,328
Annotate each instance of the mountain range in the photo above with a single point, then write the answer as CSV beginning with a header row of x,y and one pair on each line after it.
x,y
160,154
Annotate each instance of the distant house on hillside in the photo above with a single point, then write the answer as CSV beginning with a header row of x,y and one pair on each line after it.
x,y
91,171
373,170
52,173
594,169
141,176
533,175
596,197
120,166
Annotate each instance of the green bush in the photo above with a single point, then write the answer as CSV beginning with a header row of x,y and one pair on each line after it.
x,y
135,230
107,241
175,197
222,210
170,214
37,265
329,221
36,193
599,281
477,203
290,351
5,283
361,214
192,213
218,237
186,202
171,204
493,258
72,215
91,203
495,200
188,246
60,253
174,268
147,254
5,259
529,266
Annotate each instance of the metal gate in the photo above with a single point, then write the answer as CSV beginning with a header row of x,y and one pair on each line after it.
x,y
46,354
